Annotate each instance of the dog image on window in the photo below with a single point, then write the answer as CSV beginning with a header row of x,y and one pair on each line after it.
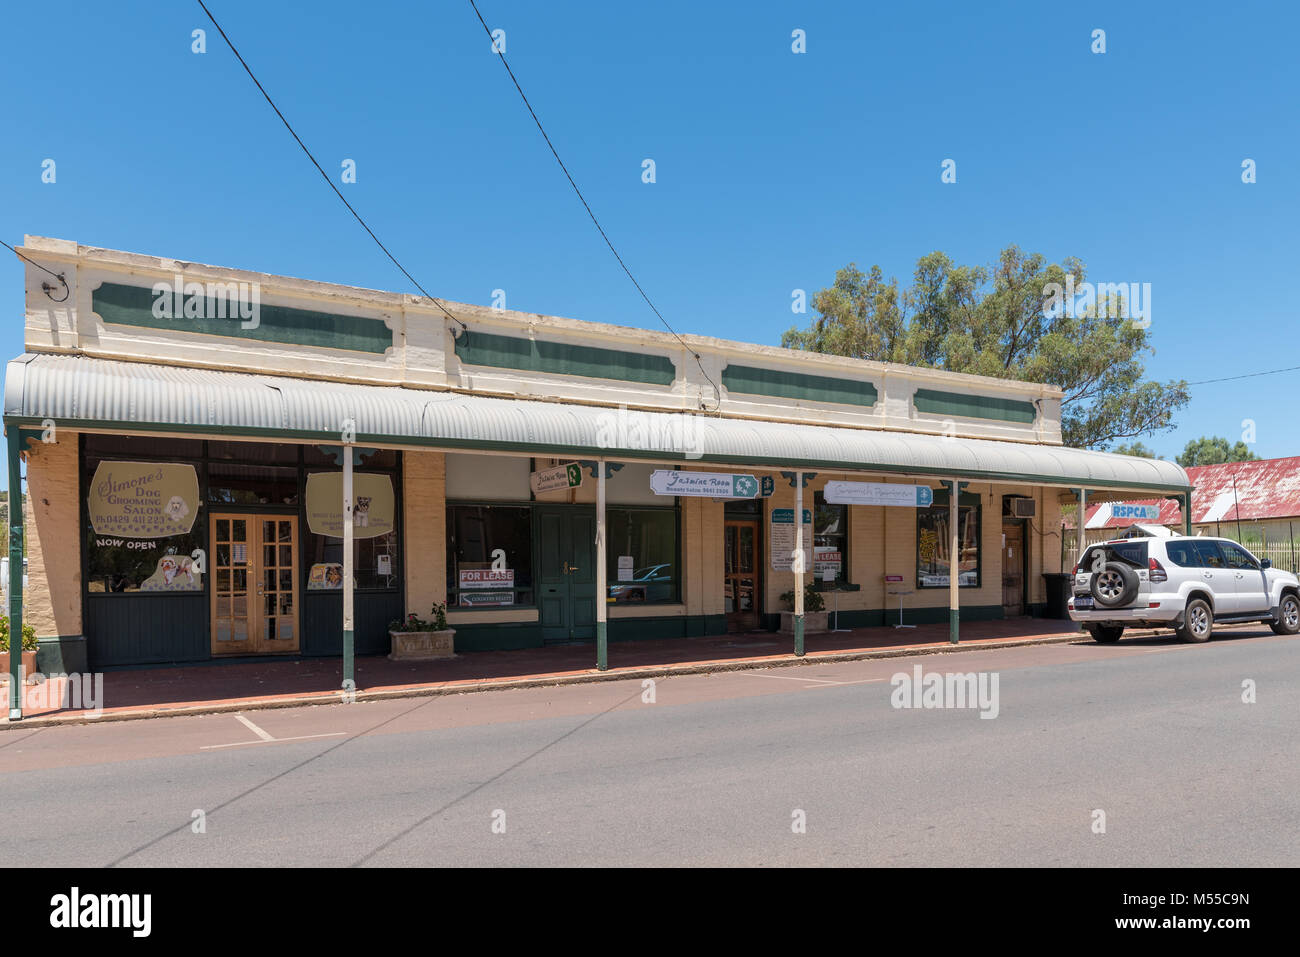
x,y
361,514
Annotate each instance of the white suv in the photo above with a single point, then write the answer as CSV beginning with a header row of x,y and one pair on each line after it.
x,y
1179,582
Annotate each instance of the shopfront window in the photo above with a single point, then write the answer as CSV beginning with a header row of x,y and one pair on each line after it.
x,y
830,541
376,556
642,564
234,484
489,556
934,544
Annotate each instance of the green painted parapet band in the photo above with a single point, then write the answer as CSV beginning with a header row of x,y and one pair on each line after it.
x,y
798,636
602,646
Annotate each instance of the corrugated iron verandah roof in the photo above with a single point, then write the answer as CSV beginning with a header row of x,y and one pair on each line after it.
x,y
78,392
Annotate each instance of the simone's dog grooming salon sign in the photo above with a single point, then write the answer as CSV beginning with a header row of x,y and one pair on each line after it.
x,y
143,499
131,505
373,504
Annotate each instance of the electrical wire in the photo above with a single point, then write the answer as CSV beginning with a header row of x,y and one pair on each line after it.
x,y
45,285
322,172
1248,375
587,207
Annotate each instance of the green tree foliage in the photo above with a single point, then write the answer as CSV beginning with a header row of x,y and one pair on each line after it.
x,y
993,321
1135,448
1214,450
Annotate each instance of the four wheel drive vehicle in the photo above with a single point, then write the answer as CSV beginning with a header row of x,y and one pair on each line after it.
x,y
1179,582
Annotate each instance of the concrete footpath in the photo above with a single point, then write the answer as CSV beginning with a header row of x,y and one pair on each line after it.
x,y
286,683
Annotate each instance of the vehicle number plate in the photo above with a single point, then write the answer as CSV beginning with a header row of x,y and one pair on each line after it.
x,y
1083,603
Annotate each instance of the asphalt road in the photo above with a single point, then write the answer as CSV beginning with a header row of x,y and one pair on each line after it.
x,y
1152,732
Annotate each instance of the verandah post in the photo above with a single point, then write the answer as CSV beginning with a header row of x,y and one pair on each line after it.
x,y
954,563
15,573
798,561
602,606
349,646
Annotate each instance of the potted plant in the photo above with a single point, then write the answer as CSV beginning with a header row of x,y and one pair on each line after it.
x,y
814,612
28,647
415,639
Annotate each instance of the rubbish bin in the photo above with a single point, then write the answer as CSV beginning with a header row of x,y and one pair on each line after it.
x,y
1058,595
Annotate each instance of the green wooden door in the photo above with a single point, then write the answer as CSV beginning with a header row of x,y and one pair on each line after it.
x,y
566,580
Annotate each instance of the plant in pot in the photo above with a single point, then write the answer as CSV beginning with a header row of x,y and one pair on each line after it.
x,y
415,639
28,649
814,611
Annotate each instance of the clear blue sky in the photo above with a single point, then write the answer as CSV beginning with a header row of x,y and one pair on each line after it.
x,y
773,169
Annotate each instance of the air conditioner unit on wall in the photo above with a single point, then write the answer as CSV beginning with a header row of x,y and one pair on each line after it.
x,y
1023,507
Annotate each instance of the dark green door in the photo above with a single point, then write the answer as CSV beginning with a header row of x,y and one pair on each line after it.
x,y
566,579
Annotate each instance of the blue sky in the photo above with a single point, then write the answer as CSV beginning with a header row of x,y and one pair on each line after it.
x,y
773,168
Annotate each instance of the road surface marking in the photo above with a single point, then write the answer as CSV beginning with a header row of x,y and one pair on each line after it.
x,y
837,684
264,738
254,728
297,737
764,674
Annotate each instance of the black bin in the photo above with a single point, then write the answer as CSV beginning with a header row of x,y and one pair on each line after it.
x,y
1058,594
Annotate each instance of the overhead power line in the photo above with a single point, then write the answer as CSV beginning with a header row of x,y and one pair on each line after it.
x,y
45,285
587,206
324,175
1247,375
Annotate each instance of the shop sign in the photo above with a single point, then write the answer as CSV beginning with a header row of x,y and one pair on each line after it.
x,y
878,493
704,484
487,578
1138,513
174,573
372,504
325,575
480,599
143,499
560,478
782,539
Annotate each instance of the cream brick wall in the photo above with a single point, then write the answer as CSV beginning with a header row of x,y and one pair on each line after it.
x,y
52,600
424,508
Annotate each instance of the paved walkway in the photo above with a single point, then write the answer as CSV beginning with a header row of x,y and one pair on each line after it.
x,y
153,692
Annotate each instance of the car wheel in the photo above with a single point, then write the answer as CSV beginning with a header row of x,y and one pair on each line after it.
x,y
1198,621
1288,616
1115,586
1106,634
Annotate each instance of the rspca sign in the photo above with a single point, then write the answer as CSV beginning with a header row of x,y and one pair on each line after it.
x,y
1135,513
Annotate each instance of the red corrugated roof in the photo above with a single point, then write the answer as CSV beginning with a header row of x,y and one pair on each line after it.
x,y
1267,489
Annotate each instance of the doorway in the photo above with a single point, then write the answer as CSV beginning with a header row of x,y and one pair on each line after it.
x,y
566,577
1013,569
254,562
741,569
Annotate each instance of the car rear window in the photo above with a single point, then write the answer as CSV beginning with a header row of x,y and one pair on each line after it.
x,y
1132,552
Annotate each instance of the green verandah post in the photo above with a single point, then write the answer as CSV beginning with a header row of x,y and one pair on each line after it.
x,y
954,564
349,643
798,561
602,606
15,572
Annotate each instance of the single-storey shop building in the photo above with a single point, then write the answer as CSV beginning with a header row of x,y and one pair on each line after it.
x,y
189,432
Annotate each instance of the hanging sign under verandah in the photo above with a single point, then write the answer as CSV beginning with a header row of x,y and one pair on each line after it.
x,y
878,493
704,484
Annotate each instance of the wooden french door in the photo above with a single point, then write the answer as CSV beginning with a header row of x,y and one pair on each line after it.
x,y
254,577
741,575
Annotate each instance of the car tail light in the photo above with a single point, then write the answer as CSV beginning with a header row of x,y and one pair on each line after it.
x,y
1075,571
1157,571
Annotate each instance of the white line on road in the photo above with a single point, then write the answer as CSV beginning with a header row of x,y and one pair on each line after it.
x,y
254,728
270,740
764,674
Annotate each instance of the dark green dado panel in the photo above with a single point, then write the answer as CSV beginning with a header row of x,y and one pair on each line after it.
x,y
134,306
796,385
932,402
514,352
